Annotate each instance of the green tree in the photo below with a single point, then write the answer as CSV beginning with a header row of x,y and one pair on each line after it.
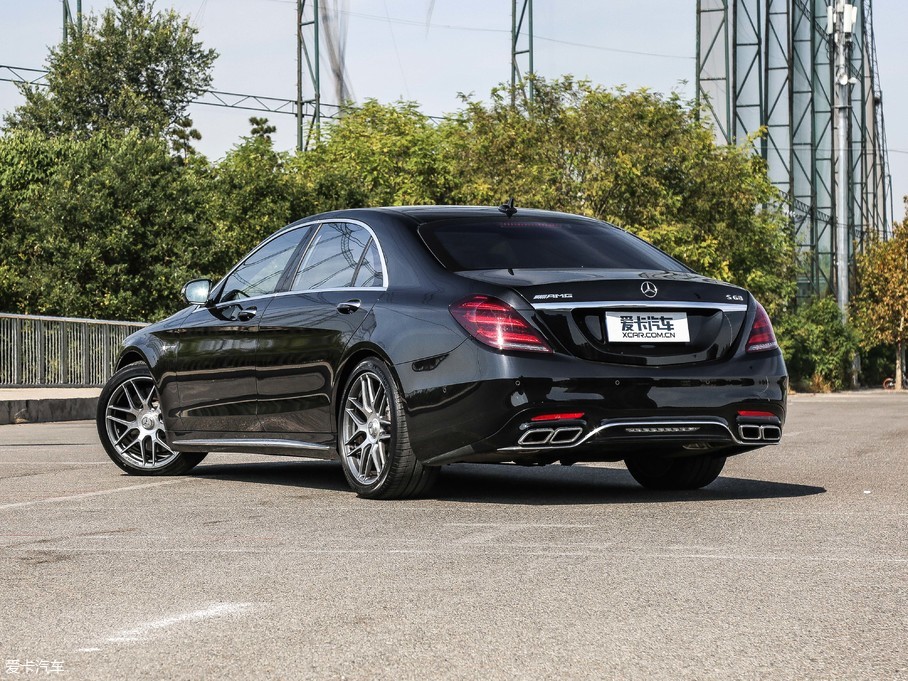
x,y
818,346
131,69
251,195
880,310
640,160
106,227
378,155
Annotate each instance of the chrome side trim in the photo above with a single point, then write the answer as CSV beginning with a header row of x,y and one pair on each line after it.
x,y
241,443
631,304
637,424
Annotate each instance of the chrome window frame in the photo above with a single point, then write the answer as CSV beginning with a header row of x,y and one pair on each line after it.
x,y
292,227
381,257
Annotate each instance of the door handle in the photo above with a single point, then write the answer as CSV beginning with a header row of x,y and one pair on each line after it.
x,y
349,306
247,314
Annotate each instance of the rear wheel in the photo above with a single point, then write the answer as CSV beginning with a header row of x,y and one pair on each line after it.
x,y
661,472
131,427
373,440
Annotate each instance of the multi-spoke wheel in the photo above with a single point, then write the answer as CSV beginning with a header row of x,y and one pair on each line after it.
x,y
372,437
132,429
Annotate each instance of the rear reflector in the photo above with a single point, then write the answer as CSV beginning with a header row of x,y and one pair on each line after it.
x,y
758,414
762,337
497,324
566,416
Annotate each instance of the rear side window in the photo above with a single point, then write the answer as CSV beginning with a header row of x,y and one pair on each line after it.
x,y
370,269
462,245
333,257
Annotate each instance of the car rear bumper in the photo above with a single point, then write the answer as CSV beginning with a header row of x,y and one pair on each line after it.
x,y
490,417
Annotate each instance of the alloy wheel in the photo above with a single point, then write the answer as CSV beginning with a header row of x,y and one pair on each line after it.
x,y
366,428
134,425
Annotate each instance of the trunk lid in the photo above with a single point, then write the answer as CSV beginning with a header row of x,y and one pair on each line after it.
x,y
572,307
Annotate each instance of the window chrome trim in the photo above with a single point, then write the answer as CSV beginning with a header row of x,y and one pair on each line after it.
x,y
241,301
631,304
381,257
294,226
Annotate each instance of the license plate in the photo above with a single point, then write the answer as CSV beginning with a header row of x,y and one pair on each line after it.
x,y
647,327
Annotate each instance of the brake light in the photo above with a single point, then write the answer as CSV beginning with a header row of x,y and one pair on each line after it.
x,y
762,337
565,416
497,324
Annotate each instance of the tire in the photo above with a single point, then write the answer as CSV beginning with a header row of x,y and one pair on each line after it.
x,y
660,472
889,384
373,440
131,428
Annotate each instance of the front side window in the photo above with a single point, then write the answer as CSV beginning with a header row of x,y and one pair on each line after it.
x,y
333,257
260,273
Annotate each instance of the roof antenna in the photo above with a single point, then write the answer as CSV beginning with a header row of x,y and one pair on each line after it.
x,y
508,208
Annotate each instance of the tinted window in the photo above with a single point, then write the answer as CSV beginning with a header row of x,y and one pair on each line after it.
x,y
370,271
259,274
540,244
332,258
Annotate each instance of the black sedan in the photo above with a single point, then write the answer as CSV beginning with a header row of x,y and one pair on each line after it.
x,y
402,339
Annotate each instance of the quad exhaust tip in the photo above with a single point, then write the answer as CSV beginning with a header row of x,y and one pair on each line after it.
x,y
536,437
751,432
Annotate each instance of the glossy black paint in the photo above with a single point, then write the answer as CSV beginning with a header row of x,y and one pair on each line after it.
x,y
272,367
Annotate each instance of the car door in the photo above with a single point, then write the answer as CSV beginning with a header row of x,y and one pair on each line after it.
x,y
303,333
216,346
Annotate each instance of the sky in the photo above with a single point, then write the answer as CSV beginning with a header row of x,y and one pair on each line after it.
x,y
393,54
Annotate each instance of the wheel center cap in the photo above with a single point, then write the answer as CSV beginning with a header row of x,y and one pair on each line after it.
x,y
148,422
374,429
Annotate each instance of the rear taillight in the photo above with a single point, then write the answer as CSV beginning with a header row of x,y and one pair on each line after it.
x,y
495,323
762,337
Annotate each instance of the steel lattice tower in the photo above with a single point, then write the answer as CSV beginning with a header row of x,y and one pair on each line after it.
x,y
770,64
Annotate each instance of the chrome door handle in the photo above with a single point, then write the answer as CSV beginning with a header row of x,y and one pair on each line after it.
x,y
349,306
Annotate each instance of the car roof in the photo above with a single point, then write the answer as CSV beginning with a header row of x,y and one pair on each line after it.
x,y
422,214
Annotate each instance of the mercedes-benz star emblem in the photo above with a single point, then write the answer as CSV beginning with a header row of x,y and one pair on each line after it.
x,y
649,289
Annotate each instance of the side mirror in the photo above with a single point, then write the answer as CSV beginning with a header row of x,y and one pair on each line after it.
x,y
196,291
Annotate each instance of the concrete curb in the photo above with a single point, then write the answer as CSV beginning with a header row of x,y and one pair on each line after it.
x,y
31,408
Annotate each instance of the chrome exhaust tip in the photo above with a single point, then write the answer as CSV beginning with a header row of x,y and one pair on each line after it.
x,y
771,433
750,433
565,436
537,436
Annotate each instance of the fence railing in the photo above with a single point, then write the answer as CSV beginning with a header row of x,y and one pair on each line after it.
x,y
50,352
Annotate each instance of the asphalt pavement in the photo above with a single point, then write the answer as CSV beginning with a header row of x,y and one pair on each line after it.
x,y
793,565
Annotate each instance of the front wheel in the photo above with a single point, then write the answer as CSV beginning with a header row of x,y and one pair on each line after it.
x,y
373,440
131,427
668,473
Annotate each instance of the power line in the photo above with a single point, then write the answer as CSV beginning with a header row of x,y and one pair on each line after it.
x,y
499,31
232,100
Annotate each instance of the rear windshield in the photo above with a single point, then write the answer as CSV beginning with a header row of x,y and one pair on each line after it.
x,y
462,245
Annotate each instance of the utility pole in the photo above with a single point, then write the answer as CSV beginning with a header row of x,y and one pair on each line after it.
x,y
517,22
68,18
304,22
840,21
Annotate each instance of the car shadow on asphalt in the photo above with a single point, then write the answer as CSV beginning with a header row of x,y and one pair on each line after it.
x,y
511,484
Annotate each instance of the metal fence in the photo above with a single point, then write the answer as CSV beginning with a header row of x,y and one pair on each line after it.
x,y
52,352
